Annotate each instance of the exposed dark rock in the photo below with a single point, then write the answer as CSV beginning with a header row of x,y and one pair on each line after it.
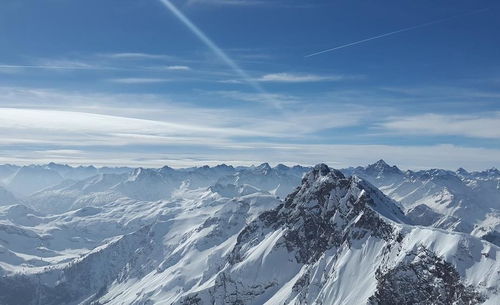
x,y
318,214
423,279
493,237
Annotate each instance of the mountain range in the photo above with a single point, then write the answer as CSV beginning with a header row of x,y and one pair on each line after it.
x,y
248,235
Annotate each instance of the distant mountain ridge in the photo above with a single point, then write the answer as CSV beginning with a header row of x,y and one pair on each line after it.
x,y
454,200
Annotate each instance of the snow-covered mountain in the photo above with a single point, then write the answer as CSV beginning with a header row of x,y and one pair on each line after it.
x,y
6,197
458,201
338,240
280,180
6,170
26,180
165,236
29,179
146,184
79,253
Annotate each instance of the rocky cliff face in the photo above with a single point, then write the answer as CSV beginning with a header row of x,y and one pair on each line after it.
x,y
423,278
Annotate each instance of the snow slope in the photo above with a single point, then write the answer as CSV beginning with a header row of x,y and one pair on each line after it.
x,y
220,235
151,184
458,201
280,180
333,240
6,197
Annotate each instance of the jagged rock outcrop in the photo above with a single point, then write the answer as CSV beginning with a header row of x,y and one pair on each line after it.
x,y
319,214
423,279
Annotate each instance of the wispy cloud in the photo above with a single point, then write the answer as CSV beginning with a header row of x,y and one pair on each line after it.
x,y
86,122
83,128
285,77
445,92
38,115
69,64
86,64
274,99
160,107
298,78
55,65
474,126
56,127
60,128
131,55
136,80
178,68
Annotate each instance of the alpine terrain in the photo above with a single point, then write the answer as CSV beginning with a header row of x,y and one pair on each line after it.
x,y
248,235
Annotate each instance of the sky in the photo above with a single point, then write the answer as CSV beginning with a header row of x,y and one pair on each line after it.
x,y
188,83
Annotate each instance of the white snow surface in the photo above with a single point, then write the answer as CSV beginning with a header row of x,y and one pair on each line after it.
x,y
204,235
458,201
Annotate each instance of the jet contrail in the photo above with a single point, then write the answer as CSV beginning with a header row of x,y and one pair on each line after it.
x,y
212,46
395,32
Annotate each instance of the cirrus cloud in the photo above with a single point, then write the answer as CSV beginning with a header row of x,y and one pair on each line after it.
x,y
473,126
139,80
298,78
178,68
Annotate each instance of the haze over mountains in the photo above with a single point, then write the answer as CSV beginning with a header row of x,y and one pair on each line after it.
x,y
248,235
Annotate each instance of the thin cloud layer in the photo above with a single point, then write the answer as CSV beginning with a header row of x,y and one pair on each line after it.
x,y
298,78
178,68
474,126
80,127
140,80
132,55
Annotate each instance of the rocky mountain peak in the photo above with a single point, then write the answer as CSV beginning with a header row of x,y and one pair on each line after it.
x,y
136,173
144,174
327,191
326,210
381,167
322,170
462,172
316,187
282,167
493,171
264,167
381,163
224,166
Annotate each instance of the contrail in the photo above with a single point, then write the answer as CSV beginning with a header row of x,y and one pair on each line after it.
x,y
395,32
212,46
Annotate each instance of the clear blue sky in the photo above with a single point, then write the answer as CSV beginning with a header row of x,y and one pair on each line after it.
x,y
127,82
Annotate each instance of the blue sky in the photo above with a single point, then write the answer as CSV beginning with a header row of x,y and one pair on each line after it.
x,y
182,83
